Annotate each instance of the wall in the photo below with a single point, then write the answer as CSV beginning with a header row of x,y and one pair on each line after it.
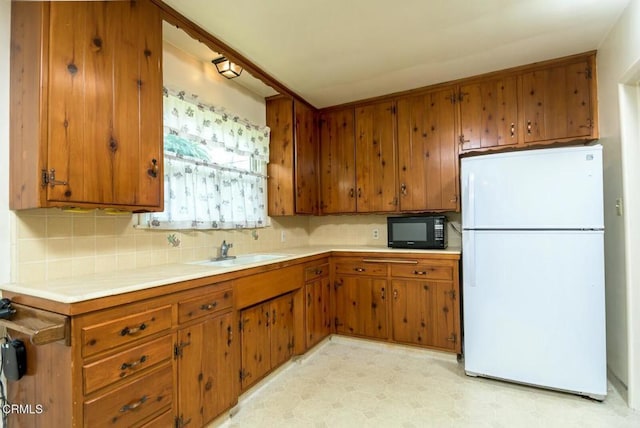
x,y
52,243
617,55
6,217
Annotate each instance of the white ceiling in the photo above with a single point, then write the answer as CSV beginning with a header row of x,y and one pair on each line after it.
x,y
336,51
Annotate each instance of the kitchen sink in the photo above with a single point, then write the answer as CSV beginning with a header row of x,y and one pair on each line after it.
x,y
241,260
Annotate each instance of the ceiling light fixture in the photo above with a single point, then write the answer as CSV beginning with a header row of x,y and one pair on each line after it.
x,y
227,68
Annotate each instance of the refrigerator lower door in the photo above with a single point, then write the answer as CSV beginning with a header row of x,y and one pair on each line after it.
x,y
534,308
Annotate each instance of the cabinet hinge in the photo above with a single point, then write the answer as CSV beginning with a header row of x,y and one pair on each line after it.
x,y
588,74
337,284
336,322
177,349
240,325
452,294
242,375
49,177
179,421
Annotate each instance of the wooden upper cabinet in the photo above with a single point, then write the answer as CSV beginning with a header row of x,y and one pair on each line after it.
x,y
553,102
91,134
375,127
559,102
337,162
427,156
489,113
293,157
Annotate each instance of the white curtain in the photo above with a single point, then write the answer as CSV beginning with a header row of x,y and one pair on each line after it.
x,y
214,168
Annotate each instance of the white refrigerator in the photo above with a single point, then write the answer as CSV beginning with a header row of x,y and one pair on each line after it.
x,y
533,268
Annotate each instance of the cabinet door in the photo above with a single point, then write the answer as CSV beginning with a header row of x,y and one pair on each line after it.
x,y
207,370
423,313
376,158
306,158
558,102
428,160
489,114
280,169
317,312
282,332
256,344
361,307
411,312
445,313
105,103
337,162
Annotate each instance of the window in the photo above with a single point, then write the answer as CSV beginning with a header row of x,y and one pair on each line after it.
x,y
214,168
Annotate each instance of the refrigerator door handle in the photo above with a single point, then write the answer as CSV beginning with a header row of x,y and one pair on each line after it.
x,y
470,258
471,201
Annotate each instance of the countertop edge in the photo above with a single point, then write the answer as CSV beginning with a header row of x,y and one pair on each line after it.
x,y
60,292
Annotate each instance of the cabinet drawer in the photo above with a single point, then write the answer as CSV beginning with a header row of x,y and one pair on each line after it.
x,y
354,267
318,271
164,420
203,305
124,364
100,337
132,402
420,270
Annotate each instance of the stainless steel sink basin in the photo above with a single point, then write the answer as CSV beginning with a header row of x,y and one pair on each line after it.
x,y
241,260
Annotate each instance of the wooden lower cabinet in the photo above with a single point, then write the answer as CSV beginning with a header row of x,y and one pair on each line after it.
x,y
423,313
317,294
361,307
207,370
267,337
412,299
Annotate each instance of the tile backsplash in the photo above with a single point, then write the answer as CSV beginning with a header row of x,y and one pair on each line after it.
x,y
52,243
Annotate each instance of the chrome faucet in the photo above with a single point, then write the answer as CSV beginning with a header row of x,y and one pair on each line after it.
x,y
224,250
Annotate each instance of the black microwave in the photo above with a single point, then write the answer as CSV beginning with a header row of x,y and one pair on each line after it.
x,y
423,232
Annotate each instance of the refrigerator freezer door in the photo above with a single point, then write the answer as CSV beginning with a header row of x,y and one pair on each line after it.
x,y
534,308
558,188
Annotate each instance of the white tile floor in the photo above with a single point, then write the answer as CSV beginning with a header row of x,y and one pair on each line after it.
x,y
353,383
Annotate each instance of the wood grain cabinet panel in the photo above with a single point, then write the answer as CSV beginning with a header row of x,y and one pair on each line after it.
x,y
95,95
489,113
427,152
125,330
557,102
337,162
133,402
361,307
375,128
293,158
207,370
267,337
124,364
424,313
317,290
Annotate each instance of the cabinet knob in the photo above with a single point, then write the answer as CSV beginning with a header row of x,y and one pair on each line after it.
x,y
153,171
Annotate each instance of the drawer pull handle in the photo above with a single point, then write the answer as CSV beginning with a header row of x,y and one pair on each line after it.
x,y
359,269
419,272
229,335
318,272
209,306
133,330
132,365
133,406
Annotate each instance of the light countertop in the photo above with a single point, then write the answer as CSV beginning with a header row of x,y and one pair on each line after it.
x,y
78,289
